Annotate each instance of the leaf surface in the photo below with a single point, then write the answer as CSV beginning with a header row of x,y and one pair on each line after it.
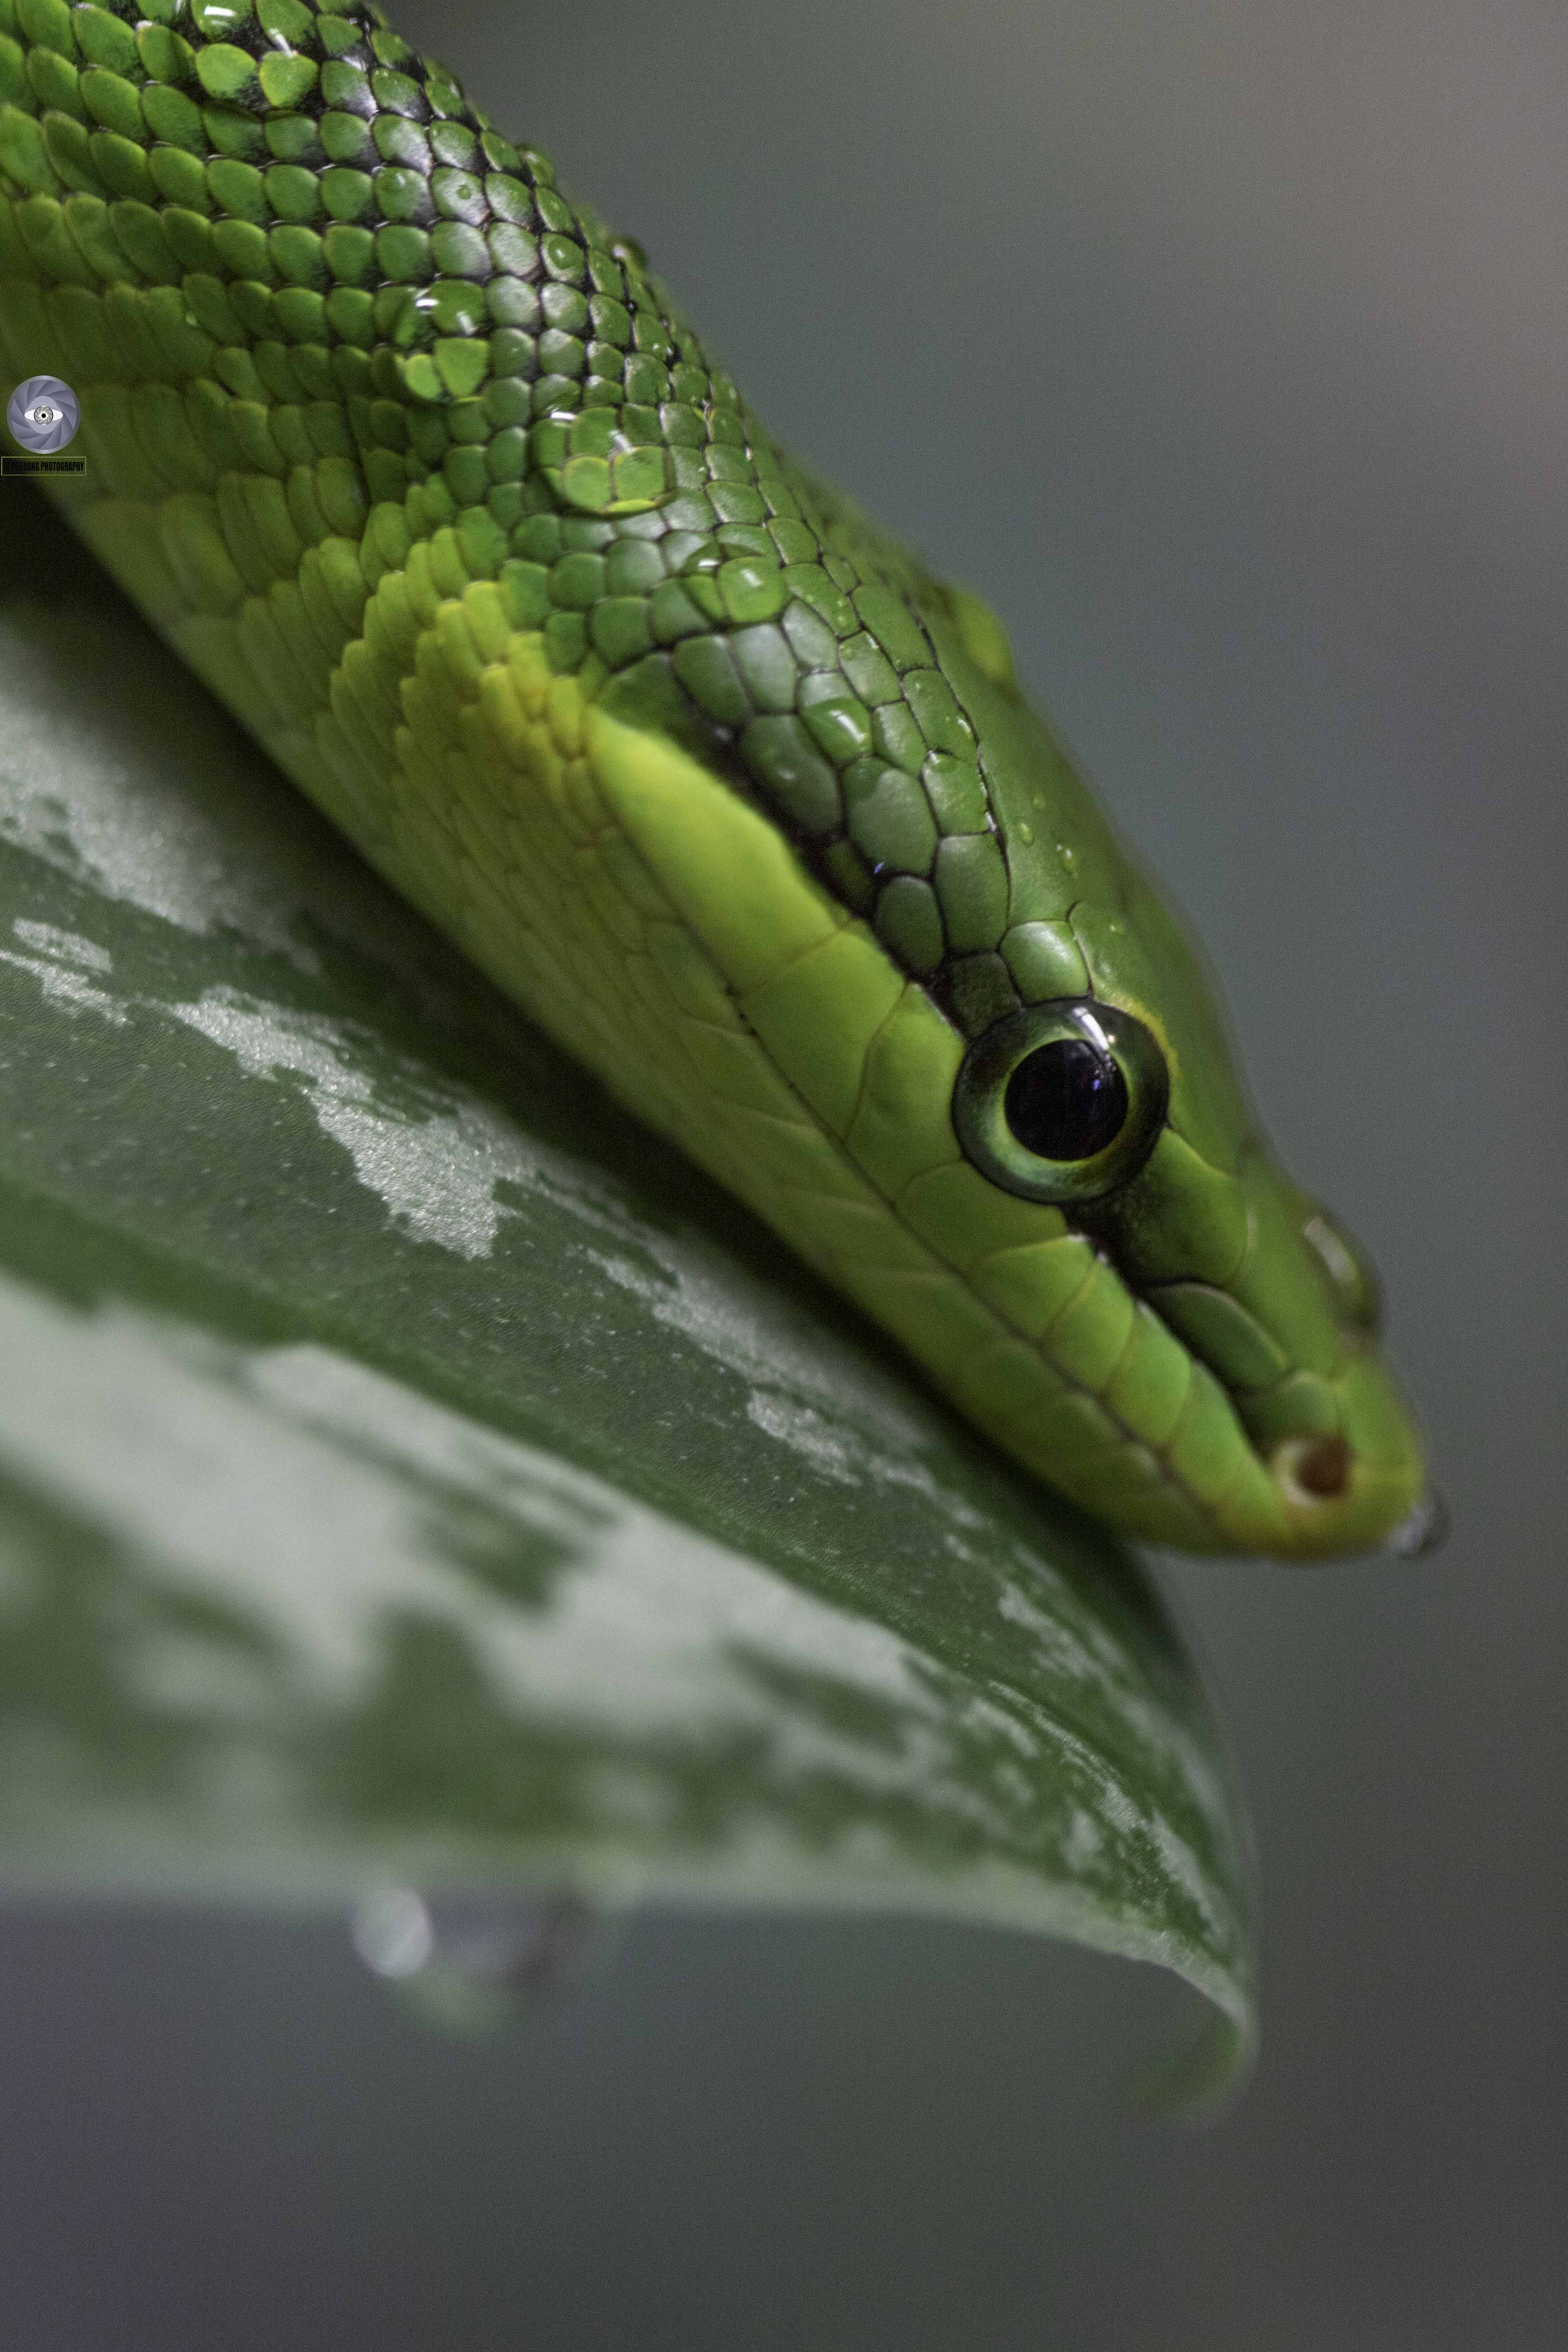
x,y
411,1470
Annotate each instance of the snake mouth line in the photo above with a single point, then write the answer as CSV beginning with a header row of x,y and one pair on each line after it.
x,y
1310,1471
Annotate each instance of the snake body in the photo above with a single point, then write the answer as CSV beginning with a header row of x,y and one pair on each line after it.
x,y
421,470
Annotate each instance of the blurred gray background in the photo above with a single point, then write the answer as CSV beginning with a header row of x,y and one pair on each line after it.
x,y
1222,348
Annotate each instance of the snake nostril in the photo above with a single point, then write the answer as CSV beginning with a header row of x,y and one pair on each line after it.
x,y
1319,1471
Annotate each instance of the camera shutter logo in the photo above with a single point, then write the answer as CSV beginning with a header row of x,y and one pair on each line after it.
x,y
43,415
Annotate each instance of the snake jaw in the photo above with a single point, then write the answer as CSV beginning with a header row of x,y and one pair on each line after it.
x,y
1327,1461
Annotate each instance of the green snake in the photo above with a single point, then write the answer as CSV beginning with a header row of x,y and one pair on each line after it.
x,y
419,468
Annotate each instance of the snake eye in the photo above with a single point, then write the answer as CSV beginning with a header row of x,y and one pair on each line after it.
x,y
1061,1101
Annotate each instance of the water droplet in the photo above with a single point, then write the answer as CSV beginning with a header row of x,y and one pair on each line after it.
x,y
393,1933
1423,1528
476,1964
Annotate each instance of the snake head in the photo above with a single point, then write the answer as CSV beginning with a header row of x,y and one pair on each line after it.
x,y
1032,1161
1247,1392
992,1097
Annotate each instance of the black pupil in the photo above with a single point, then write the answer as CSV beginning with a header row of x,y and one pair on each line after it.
x,y
1066,1100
